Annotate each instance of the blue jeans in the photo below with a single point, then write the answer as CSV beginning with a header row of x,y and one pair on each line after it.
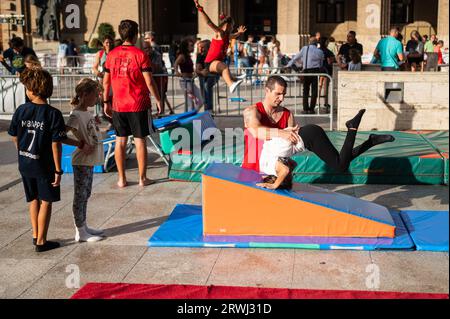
x,y
246,64
208,84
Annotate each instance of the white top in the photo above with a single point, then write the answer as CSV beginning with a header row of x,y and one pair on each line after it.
x,y
273,150
270,46
261,48
354,66
87,129
62,50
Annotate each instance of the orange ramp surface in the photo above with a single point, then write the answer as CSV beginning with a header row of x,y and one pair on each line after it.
x,y
233,205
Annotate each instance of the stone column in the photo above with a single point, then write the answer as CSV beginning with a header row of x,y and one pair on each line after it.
x,y
146,16
27,36
369,24
293,24
385,17
225,6
305,22
233,8
442,28
212,8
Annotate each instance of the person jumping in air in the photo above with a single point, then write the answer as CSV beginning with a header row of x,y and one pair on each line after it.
x,y
219,45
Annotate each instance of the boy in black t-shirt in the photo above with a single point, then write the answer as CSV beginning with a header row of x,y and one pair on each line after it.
x,y
38,130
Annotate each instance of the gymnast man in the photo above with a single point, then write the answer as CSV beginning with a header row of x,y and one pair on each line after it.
x,y
272,137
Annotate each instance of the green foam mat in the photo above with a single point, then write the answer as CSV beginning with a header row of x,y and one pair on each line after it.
x,y
411,160
440,140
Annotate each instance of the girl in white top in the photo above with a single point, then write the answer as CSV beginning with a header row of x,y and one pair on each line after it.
x,y
355,63
275,162
84,127
276,57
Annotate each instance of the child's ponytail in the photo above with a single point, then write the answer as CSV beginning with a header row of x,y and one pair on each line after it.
x,y
85,86
75,100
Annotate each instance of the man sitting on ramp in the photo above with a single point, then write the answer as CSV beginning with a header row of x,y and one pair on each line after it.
x,y
272,137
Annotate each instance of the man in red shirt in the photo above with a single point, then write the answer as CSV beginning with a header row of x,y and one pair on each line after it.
x,y
128,71
267,120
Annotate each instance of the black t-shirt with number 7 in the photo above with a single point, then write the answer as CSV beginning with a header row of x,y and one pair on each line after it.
x,y
36,126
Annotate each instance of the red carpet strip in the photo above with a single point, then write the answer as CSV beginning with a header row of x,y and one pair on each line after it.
x,y
138,291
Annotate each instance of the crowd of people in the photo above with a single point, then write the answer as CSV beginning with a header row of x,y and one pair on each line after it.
x,y
419,54
210,59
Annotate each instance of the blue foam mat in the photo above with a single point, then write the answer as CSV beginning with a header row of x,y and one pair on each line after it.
x,y
67,151
161,123
184,228
428,229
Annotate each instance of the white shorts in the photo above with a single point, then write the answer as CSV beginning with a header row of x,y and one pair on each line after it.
x,y
275,149
62,62
268,163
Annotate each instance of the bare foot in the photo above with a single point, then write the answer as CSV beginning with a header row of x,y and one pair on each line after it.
x,y
146,182
122,184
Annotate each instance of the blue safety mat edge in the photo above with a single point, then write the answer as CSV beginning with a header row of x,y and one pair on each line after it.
x,y
184,228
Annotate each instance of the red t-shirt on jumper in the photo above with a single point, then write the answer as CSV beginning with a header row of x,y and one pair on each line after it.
x,y
253,146
126,65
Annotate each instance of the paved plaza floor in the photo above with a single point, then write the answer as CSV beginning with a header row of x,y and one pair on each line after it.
x,y
130,216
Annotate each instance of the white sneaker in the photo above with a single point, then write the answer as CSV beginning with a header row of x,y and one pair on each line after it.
x,y
96,232
81,235
242,77
235,85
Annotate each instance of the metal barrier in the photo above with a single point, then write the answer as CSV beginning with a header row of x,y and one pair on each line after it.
x,y
55,70
252,90
83,60
12,93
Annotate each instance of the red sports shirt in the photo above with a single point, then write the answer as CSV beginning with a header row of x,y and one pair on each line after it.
x,y
126,65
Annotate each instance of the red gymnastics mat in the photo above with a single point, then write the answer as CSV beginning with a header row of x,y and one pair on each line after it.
x,y
138,291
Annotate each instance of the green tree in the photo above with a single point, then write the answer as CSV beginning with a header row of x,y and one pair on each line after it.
x,y
105,29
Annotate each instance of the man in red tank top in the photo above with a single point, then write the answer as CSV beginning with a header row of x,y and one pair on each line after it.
x,y
267,120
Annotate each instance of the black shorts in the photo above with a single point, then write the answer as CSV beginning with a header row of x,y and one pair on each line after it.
x,y
415,60
41,188
132,123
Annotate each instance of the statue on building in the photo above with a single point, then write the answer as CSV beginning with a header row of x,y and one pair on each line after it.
x,y
47,20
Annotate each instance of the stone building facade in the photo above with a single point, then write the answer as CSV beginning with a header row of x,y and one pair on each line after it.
x,y
290,20
295,20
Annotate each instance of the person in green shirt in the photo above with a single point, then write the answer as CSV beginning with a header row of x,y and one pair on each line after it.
x,y
389,52
429,45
